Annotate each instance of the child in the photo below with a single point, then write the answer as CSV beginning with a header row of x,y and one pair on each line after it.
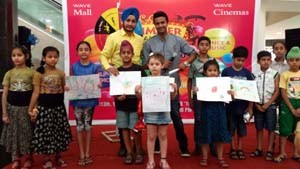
x,y
52,133
126,107
213,118
196,70
279,64
265,111
237,108
290,112
84,109
157,122
17,91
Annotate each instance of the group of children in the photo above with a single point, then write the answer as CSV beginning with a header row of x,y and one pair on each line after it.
x,y
36,122
33,109
278,86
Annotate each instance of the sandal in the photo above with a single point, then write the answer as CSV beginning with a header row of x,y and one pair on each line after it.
x,y
241,154
233,154
81,162
164,164
47,164
297,159
269,156
203,162
280,158
60,162
28,163
16,164
139,159
150,165
223,164
257,153
128,159
88,160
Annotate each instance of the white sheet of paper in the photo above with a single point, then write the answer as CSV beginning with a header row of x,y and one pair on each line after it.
x,y
124,83
156,94
213,89
245,89
83,87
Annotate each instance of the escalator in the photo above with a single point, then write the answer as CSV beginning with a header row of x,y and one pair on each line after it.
x,y
44,14
45,20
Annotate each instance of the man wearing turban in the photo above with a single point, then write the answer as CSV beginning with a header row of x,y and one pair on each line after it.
x,y
110,55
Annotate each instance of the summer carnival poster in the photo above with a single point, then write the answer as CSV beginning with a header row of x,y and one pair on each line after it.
x,y
227,23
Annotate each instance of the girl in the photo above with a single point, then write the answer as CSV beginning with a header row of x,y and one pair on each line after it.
x,y
17,90
213,123
84,109
157,123
52,133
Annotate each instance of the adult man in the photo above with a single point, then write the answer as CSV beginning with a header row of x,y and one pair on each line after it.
x,y
171,46
110,55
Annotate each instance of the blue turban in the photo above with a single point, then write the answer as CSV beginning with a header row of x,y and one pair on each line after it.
x,y
130,11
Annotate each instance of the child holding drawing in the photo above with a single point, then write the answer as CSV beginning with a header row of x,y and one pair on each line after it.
x,y
213,121
126,106
84,108
157,122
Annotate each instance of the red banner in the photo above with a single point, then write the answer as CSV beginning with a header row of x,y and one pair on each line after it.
x,y
227,23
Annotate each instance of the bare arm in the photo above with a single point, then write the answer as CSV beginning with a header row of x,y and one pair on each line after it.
x,y
275,94
4,105
287,101
34,98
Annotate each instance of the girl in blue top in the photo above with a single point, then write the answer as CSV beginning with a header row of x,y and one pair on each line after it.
x,y
213,123
84,109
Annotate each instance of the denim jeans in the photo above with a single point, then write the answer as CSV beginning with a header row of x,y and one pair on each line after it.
x,y
178,124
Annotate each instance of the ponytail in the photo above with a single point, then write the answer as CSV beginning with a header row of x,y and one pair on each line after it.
x,y
41,69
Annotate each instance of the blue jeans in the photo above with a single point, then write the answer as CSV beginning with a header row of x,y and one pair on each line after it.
x,y
178,125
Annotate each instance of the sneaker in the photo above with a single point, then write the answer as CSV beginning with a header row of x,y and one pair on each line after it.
x,y
185,153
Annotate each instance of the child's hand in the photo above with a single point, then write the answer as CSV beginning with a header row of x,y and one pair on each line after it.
x,y
113,70
67,88
99,85
174,86
259,108
138,89
298,112
121,97
231,92
5,119
265,106
195,89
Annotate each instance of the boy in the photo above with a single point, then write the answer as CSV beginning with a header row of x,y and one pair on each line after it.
x,y
290,113
265,116
196,70
126,108
237,108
